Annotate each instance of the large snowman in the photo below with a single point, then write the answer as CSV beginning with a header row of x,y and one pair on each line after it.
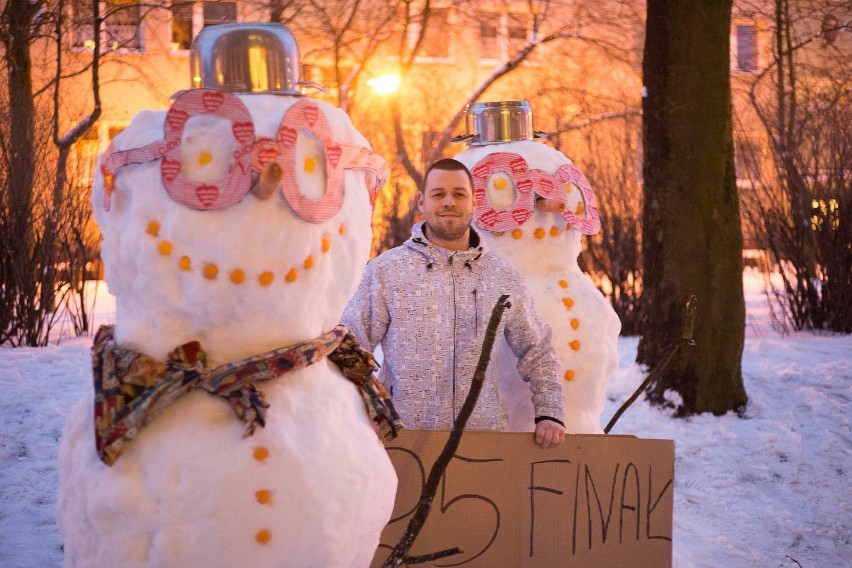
x,y
236,224
533,206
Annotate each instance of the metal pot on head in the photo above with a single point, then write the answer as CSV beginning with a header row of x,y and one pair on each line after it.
x,y
498,122
247,58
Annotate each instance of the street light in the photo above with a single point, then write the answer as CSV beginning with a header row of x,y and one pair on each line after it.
x,y
384,84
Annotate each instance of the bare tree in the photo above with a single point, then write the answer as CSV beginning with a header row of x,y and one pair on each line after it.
x,y
34,211
613,256
799,210
691,235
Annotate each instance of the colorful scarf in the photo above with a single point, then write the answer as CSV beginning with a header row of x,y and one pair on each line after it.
x,y
131,388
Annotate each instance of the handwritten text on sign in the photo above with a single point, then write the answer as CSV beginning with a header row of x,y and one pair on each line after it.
x,y
594,501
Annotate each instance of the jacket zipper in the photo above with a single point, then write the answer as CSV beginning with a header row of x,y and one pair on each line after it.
x,y
455,323
475,315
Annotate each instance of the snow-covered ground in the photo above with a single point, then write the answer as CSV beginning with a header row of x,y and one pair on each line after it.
x,y
767,490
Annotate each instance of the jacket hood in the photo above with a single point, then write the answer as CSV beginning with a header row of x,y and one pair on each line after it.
x,y
432,252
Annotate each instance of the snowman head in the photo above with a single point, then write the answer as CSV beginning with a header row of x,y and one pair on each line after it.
x,y
531,197
245,227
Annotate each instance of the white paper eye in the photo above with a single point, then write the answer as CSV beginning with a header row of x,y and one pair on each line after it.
x,y
206,149
501,191
310,167
576,201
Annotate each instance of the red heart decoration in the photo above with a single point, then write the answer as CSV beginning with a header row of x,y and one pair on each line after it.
x,y
311,114
546,185
524,185
207,194
520,216
518,165
170,169
333,153
480,170
287,136
265,150
212,100
176,118
243,132
487,219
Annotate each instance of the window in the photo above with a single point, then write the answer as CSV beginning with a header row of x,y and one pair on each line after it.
x,y
83,29
219,13
747,157
121,24
502,35
436,42
746,52
86,153
489,47
516,32
119,29
182,25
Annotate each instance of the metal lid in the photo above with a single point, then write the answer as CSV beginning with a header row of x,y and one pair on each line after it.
x,y
246,58
501,121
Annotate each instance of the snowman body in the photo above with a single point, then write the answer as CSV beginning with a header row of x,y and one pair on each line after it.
x,y
544,248
314,486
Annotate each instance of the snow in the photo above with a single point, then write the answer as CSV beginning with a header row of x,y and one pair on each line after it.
x,y
766,490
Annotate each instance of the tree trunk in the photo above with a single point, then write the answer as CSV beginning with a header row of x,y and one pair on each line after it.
x,y
22,119
691,235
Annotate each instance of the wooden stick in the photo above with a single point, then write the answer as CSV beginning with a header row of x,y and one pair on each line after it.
x,y
398,554
685,339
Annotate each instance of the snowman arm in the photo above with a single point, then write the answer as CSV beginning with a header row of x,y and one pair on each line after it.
x,y
530,339
366,314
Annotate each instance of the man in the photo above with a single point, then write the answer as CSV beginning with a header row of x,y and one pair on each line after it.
x,y
428,303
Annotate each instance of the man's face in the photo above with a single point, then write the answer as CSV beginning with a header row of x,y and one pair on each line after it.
x,y
447,203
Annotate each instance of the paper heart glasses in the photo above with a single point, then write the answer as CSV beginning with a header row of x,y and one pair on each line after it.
x,y
252,154
530,183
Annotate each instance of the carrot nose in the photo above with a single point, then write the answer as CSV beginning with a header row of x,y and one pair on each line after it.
x,y
268,181
550,205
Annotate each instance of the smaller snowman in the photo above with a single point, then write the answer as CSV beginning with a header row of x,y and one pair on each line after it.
x,y
533,205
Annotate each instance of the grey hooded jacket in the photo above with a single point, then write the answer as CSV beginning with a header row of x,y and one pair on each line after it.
x,y
429,308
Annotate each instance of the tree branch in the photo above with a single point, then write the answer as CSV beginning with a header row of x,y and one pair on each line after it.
x,y
685,339
421,513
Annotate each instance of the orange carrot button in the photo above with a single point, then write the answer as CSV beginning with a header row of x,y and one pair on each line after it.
x,y
263,496
263,536
210,271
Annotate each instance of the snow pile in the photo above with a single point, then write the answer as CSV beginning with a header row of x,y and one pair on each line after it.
x,y
545,250
757,492
314,486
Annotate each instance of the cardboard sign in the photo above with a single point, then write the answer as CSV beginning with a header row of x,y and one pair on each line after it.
x,y
594,501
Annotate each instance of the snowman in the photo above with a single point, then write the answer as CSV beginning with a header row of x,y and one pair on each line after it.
x,y
234,422
533,206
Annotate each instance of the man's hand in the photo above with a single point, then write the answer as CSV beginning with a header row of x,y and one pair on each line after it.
x,y
549,434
